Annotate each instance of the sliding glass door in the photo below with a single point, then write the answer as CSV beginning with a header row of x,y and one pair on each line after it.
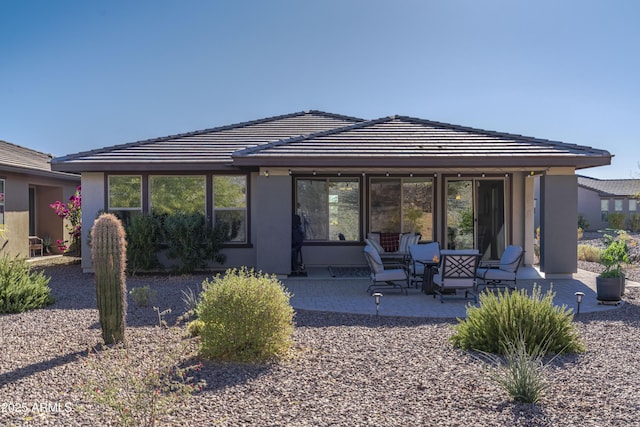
x,y
475,216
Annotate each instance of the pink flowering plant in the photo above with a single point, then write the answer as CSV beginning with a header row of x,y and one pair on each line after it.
x,y
72,212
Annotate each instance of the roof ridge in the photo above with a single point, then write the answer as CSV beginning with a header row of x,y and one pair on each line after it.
x,y
290,140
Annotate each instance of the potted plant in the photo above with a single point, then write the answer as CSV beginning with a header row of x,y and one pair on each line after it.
x,y
610,283
47,244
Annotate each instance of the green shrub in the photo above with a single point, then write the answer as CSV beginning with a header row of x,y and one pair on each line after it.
x,y
582,222
194,328
20,288
192,240
143,296
142,246
522,373
616,220
504,317
247,317
634,222
589,253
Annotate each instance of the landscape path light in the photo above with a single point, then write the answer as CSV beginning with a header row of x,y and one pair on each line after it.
x,y
377,296
579,296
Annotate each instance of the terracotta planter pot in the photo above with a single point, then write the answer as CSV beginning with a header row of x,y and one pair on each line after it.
x,y
609,288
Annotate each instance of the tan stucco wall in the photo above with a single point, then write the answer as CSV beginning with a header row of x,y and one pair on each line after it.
x,y
47,191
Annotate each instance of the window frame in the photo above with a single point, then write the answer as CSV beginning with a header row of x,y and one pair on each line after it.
x,y
121,208
403,179
618,205
357,179
604,213
245,209
209,209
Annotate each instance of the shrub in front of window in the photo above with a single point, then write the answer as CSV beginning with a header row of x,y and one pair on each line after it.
x,y
143,232
20,288
616,220
192,241
246,317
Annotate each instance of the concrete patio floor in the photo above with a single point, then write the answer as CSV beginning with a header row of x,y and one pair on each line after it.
x,y
319,291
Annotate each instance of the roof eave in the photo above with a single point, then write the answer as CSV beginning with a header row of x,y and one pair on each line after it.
x,y
84,166
64,175
432,162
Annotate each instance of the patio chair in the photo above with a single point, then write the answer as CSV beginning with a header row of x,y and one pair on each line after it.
x,y
457,271
504,272
382,278
36,244
422,254
392,247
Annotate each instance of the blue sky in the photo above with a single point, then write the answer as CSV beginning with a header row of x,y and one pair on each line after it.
x,y
80,75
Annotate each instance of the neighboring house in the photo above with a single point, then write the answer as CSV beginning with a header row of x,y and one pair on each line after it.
x,y
598,198
27,187
346,177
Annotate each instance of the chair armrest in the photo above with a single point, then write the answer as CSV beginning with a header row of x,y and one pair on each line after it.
x,y
489,264
395,265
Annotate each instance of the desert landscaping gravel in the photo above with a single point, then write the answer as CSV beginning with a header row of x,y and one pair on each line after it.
x,y
345,370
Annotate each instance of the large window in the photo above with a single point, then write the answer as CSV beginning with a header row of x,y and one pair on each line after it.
x,y
401,205
633,205
125,195
230,206
170,194
1,205
329,208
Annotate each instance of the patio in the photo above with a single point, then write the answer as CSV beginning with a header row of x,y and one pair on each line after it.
x,y
321,292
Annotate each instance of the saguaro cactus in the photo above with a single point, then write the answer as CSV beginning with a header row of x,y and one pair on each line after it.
x,y
109,256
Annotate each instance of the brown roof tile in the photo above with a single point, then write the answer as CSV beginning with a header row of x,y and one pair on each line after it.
x,y
201,149
405,141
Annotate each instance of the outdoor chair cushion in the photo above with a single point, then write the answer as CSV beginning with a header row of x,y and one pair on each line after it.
x,y
389,241
422,252
374,244
509,257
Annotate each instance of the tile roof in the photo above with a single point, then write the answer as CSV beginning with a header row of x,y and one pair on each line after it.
x,y
200,150
611,187
409,142
316,139
14,158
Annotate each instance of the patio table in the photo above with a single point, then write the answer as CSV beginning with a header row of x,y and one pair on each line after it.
x,y
427,276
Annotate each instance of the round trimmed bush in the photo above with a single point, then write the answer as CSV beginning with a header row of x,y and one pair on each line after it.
x,y
506,317
247,317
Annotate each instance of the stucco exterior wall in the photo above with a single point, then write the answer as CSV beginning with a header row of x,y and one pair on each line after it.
x,y
273,224
47,191
589,207
92,203
558,225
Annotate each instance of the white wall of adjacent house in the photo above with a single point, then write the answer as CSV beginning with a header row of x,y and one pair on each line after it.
x,y
92,202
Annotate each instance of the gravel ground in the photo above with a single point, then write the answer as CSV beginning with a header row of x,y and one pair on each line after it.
x,y
346,370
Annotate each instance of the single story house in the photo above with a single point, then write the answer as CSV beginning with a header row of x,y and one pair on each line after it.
x,y
598,198
346,177
27,187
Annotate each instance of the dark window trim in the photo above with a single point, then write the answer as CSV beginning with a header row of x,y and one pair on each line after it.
x,y
294,188
434,199
209,196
